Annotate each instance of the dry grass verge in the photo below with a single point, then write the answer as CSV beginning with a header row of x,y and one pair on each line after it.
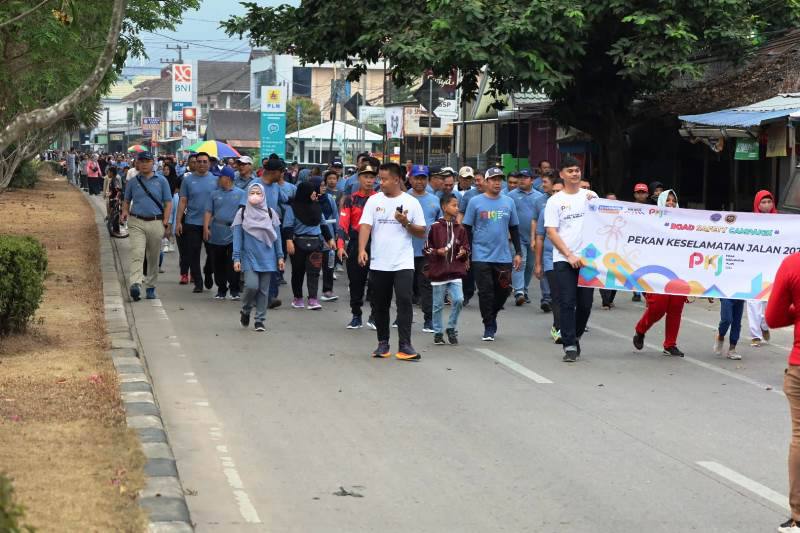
x,y
63,439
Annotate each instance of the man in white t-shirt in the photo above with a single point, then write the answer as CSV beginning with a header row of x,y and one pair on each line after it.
x,y
390,218
563,221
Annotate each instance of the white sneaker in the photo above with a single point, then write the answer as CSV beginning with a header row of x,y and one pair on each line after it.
x,y
718,344
732,354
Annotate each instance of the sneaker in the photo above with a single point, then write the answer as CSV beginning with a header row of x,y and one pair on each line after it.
x,y
235,296
394,324
406,352
570,355
546,307
555,334
673,351
438,338
527,300
427,327
184,279
260,326
313,304
355,323
371,324
636,297
755,343
244,319
382,351
488,334
519,299
219,296
790,526
466,302
297,303
150,293
765,335
209,281
197,289
638,341
136,291
718,344
452,336
732,354
329,297
275,302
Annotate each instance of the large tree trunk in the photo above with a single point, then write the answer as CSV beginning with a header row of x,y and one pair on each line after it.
x,y
42,118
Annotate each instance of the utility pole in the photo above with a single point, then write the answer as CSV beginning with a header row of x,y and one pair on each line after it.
x,y
180,50
334,101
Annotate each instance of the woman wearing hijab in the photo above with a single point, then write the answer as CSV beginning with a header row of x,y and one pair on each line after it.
x,y
305,231
764,203
257,252
659,305
95,176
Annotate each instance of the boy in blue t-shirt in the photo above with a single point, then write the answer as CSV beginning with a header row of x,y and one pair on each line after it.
x,y
221,208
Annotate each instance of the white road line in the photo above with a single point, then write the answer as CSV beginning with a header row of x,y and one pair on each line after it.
x,y
703,364
246,507
753,486
513,365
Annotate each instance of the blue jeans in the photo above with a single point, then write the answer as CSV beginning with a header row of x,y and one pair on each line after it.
x,y
521,279
730,316
256,290
456,301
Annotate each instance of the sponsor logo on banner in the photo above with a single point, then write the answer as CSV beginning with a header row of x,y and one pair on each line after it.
x,y
684,251
182,83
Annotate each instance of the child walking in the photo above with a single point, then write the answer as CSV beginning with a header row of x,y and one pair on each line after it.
x,y
257,252
447,250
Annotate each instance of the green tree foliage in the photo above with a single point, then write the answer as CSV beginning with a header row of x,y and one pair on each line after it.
x,y
23,266
11,513
309,113
593,58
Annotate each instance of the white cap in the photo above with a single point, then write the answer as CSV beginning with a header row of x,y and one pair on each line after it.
x,y
245,159
466,171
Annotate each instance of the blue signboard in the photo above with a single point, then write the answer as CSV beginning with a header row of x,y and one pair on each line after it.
x,y
273,134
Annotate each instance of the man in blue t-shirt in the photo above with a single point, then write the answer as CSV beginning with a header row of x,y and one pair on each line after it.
x,y
196,188
490,219
221,208
524,197
430,208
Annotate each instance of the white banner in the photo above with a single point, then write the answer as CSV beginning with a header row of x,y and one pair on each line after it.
x,y
645,248
394,122
368,114
182,83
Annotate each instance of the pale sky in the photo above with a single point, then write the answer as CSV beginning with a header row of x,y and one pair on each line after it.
x,y
200,30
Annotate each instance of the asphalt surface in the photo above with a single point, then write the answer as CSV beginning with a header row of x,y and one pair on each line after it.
x,y
298,429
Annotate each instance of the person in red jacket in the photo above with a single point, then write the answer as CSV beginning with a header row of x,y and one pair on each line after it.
x,y
349,221
447,250
764,202
783,309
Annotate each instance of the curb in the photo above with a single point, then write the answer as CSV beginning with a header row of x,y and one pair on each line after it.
x,y
163,497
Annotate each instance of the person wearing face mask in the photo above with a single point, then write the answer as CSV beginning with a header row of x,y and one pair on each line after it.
x,y
257,252
659,305
306,230
764,203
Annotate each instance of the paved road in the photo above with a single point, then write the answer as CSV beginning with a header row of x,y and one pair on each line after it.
x,y
297,429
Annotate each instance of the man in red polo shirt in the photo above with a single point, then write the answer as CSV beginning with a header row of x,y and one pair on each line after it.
x,y
349,221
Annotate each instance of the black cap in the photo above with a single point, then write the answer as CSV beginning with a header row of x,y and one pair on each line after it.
x,y
144,156
275,164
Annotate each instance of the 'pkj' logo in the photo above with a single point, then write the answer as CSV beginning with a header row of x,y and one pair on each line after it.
x,y
716,217
708,262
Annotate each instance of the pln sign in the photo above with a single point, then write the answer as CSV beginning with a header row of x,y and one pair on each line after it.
x,y
273,99
182,83
273,121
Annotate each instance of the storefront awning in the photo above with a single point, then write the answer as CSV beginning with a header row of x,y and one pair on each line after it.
x,y
774,109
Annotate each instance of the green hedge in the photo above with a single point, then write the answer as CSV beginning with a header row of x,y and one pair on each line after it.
x,y
26,176
23,267
11,513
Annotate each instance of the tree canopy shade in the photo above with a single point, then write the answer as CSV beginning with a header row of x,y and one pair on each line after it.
x,y
593,58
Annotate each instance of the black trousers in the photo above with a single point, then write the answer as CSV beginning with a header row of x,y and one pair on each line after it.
x,y
608,296
306,265
492,291
193,242
224,275
382,283
469,285
357,276
183,254
328,267
423,286
576,303
555,298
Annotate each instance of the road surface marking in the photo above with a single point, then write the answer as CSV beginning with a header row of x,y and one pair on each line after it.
x,y
753,486
191,381
188,374
703,364
201,404
246,507
513,365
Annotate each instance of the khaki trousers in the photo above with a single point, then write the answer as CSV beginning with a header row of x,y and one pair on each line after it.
x,y
145,239
791,387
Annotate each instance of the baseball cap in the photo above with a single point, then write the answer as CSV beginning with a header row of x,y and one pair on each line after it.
x,y
336,162
420,170
227,172
640,187
465,172
525,173
494,172
435,171
246,160
144,155
275,164
447,171
368,169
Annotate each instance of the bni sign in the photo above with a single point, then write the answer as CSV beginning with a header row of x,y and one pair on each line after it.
x,y
182,81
